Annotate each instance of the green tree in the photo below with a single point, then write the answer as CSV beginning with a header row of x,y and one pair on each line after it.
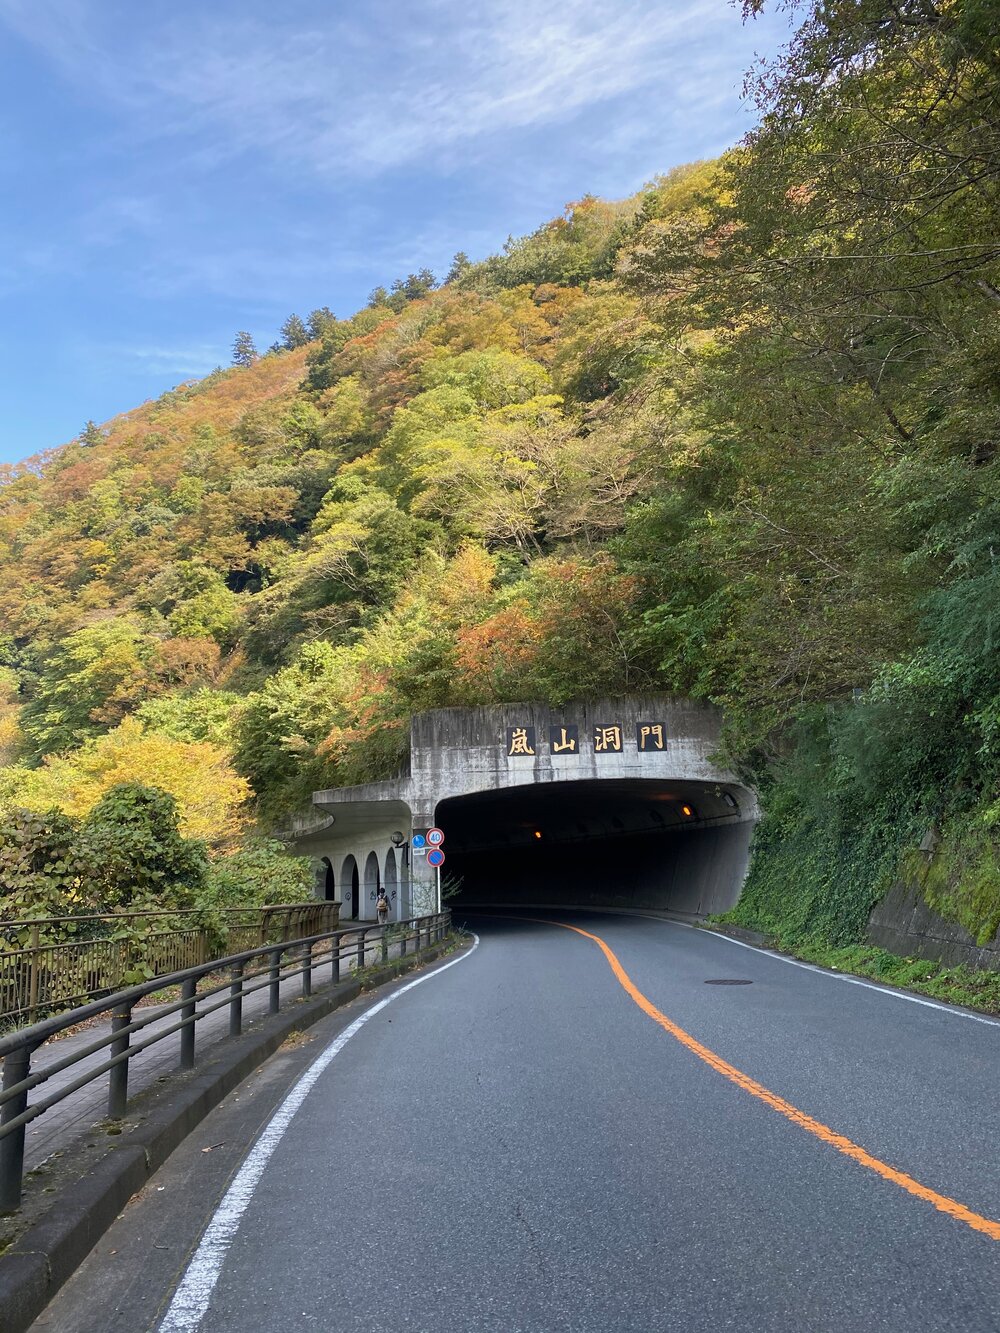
x,y
208,610
90,680
244,349
460,265
278,730
320,321
203,715
92,434
294,333
413,287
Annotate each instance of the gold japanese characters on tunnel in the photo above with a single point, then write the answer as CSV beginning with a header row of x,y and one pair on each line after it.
x,y
606,738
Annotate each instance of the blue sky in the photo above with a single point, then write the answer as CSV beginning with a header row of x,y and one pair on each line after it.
x,y
173,172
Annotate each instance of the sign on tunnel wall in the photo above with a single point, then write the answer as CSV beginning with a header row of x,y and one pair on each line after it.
x,y
606,738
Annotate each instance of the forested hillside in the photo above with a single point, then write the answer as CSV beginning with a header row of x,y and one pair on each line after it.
x,y
736,436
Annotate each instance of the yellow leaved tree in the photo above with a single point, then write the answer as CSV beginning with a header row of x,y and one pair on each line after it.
x,y
210,794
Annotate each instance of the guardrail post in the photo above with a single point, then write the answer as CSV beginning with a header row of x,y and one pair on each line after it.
x,y
335,944
188,989
361,949
307,970
33,971
385,944
118,1074
16,1067
274,982
236,1001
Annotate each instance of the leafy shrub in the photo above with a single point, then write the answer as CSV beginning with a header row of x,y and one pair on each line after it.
x,y
256,875
135,850
43,871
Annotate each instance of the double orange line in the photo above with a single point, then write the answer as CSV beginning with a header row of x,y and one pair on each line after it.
x,y
986,1226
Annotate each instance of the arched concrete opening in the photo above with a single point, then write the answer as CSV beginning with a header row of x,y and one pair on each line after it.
x,y
677,846
329,884
373,882
391,883
350,888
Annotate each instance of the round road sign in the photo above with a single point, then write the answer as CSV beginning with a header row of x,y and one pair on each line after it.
x,y
435,837
419,840
436,857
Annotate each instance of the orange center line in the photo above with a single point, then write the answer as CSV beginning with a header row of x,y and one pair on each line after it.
x,y
844,1145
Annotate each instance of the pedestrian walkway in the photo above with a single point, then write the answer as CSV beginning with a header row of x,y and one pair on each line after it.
x,y
71,1120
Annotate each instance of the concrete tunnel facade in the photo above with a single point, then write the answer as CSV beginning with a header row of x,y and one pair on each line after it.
x,y
612,802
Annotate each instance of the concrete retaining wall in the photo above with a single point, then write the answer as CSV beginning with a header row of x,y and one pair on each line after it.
x,y
904,924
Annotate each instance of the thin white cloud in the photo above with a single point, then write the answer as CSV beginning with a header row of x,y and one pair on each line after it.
x,y
184,360
400,83
307,260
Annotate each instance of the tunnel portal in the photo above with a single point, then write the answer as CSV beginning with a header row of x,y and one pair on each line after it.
x,y
611,802
626,843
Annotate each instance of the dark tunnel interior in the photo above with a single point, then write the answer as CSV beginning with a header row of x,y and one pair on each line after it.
x,y
679,846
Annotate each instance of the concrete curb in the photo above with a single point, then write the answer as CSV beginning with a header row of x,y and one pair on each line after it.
x,y
755,937
41,1259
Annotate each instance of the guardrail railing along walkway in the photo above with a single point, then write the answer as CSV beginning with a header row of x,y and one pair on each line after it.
x,y
50,963
50,1092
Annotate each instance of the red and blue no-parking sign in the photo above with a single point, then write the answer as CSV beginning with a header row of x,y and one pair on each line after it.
x,y
436,857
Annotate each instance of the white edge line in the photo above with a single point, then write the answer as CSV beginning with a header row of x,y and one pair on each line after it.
x,y
851,980
190,1301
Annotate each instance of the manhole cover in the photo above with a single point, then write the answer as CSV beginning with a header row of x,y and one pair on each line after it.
x,y
728,981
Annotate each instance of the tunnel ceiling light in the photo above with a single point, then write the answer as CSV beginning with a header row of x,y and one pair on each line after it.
x,y
686,811
537,833
730,800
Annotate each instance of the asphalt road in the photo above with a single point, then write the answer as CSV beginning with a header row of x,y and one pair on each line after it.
x,y
520,1145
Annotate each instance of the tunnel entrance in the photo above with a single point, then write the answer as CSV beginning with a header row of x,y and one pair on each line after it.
x,y
680,846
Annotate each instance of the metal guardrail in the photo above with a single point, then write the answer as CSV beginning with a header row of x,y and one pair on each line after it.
x,y
39,974
249,971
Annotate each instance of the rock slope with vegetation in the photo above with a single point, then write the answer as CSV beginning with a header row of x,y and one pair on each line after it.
x,y
736,437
